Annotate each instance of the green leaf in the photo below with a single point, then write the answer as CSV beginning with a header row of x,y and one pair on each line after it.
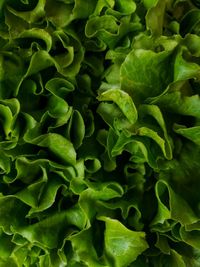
x,y
57,145
183,69
177,103
172,206
192,133
30,16
122,246
190,21
123,101
80,243
152,79
155,16
154,111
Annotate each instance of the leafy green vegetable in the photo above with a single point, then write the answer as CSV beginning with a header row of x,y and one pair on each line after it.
x,y
100,133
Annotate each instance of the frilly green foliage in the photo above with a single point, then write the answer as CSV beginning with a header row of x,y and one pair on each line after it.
x,y
99,133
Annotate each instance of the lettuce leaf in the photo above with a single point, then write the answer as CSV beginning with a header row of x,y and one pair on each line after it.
x,y
99,133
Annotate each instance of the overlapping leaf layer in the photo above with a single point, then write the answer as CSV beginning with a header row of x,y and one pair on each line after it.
x,y
100,133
